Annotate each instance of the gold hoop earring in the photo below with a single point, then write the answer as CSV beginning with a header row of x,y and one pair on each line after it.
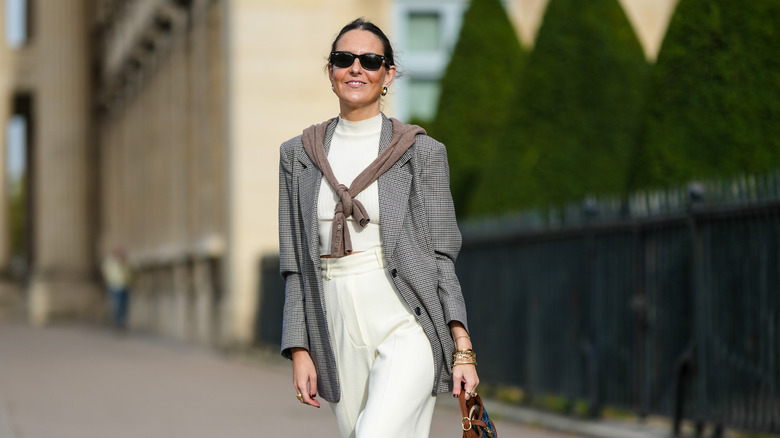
x,y
384,91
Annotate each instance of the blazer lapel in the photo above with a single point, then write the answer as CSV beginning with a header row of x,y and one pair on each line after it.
x,y
308,191
394,187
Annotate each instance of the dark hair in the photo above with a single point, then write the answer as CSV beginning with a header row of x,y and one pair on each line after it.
x,y
362,24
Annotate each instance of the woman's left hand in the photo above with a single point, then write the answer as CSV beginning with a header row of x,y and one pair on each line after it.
x,y
465,377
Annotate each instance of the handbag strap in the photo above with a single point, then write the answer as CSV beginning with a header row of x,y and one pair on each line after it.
x,y
467,407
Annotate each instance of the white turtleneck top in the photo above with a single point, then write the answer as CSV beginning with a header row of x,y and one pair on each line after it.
x,y
353,147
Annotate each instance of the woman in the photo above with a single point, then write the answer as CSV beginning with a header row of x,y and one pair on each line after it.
x,y
374,319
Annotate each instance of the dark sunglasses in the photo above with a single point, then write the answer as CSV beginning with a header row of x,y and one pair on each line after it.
x,y
369,61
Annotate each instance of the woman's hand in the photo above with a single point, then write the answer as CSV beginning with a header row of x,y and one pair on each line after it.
x,y
464,377
305,377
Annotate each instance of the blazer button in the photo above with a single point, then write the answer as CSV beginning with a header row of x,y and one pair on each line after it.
x,y
417,311
394,273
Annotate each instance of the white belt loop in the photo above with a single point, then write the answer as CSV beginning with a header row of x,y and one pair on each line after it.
x,y
327,269
379,258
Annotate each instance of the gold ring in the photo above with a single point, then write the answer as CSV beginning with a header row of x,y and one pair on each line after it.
x,y
472,394
300,396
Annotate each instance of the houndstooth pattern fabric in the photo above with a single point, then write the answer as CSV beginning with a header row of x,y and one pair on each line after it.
x,y
419,235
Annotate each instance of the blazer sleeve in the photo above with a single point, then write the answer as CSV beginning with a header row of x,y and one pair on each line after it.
x,y
443,228
294,332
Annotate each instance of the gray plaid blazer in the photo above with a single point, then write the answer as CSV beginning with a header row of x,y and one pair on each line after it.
x,y
419,235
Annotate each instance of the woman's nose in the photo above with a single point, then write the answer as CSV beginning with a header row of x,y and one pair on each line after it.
x,y
355,66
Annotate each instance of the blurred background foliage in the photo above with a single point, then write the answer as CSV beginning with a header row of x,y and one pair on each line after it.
x,y
477,96
715,106
585,114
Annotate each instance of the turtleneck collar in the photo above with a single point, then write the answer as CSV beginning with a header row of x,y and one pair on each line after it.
x,y
362,127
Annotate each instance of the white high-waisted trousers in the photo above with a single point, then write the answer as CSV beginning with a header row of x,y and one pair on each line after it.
x,y
384,359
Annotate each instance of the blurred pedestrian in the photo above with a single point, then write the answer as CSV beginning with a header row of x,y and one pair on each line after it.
x,y
374,318
116,276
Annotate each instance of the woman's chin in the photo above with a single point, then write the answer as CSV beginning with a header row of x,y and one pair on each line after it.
x,y
357,102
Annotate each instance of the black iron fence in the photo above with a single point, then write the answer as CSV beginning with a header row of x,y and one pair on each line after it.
x,y
677,314
664,305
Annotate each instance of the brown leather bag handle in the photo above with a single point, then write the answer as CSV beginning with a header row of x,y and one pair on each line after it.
x,y
471,412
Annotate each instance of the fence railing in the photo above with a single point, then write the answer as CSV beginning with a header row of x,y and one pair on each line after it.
x,y
665,304
676,315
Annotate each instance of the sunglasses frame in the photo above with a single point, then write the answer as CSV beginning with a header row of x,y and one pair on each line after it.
x,y
360,57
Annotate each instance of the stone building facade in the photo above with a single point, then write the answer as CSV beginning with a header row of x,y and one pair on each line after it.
x,y
160,121
154,127
45,79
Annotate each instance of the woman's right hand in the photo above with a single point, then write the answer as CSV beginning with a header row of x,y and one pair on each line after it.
x,y
305,376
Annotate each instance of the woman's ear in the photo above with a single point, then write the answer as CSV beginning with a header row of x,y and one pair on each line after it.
x,y
390,76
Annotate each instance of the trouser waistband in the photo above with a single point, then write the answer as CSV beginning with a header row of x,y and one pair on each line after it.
x,y
352,264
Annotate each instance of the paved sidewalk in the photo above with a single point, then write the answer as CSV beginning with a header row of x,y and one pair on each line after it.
x,y
87,382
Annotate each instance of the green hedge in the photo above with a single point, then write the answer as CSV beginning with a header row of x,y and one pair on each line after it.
x,y
476,94
575,118
587,115
715,94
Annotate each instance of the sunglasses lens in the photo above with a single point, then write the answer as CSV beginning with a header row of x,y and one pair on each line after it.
x,y
342,59
370,61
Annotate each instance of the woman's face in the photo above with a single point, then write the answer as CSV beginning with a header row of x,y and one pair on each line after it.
x,y
359,89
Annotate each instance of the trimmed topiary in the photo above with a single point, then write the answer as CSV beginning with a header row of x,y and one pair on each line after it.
x,y
575,118
476,91
715,94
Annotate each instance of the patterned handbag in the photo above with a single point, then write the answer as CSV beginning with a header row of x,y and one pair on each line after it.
x,y
475,421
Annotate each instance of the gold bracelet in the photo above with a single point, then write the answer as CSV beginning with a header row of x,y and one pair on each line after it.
x,y
465,356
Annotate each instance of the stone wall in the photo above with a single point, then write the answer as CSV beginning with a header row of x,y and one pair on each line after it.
x,y
163,153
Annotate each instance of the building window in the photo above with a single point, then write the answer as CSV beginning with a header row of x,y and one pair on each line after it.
x,y
17,22
426,33
423,99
